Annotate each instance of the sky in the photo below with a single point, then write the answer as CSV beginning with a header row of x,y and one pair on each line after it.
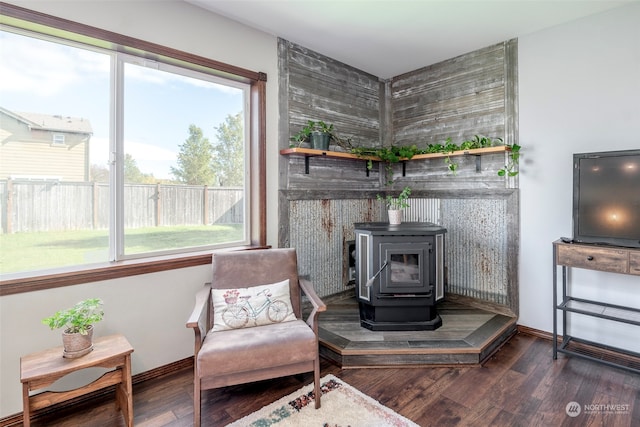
x,y
46,78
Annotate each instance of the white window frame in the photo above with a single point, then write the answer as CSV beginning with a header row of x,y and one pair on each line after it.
x,y
117,152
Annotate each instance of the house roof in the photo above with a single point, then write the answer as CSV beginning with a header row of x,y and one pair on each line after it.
x,y
57,123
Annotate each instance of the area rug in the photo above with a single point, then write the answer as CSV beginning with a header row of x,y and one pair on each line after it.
x,y
342,406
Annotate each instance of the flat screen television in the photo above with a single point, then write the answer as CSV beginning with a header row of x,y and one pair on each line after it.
x,y
606,198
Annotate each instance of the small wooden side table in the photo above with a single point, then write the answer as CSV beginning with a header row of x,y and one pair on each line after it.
x,y
41,369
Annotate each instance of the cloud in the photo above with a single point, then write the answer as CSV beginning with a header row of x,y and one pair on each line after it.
x,y
149,158
45,68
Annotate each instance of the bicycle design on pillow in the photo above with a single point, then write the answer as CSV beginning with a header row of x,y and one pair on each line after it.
x,y
239,309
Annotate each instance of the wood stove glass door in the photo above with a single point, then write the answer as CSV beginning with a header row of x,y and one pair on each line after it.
x,y
407,268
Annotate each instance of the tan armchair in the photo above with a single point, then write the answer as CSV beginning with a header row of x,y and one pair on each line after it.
x,y
236,356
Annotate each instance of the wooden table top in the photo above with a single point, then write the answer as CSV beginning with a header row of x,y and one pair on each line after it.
x,y
48,362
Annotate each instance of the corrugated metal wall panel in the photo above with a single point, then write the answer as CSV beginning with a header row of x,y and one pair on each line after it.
x,y
423,210
319,230
476,244
476,248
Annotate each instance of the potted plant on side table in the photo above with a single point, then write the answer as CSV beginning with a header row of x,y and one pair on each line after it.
x,y
396,204
78,321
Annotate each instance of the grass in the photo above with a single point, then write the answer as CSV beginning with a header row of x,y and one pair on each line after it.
x,y
36,251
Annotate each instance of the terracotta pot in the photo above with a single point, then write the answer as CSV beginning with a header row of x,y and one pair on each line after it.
x,y
395,216
77,345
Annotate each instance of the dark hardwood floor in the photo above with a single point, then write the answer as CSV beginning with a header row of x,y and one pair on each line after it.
x,y
520,385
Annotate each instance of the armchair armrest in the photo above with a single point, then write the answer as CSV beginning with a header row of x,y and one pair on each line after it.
x,y
316,302
200,316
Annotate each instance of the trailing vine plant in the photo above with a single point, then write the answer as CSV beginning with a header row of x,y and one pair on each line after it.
x,y
388,155
394,154
514,158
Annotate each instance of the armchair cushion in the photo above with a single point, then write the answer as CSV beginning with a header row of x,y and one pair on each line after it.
x,y
250,349
254,306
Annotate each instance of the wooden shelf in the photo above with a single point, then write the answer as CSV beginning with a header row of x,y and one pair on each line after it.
x,y
340,154
309,152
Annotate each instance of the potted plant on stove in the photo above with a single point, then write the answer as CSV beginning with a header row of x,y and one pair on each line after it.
x,y
395,205
78,321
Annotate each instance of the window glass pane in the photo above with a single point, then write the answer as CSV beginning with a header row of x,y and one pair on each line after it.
x,y
184,160
54,116
58,138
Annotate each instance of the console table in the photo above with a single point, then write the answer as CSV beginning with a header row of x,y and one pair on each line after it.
x,y
41,369
601,258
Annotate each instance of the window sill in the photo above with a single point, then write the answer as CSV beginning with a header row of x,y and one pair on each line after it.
x,y
21,283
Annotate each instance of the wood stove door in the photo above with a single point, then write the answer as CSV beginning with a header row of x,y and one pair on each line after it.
x,y
407,270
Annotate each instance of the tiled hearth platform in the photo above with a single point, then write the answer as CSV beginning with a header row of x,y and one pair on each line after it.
x,y
468,336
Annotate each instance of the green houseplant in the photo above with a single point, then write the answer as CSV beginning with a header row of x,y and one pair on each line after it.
x,y
395,154
317,133
77,321
395,204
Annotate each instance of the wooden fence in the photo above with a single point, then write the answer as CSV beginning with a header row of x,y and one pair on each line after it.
x,y
32,206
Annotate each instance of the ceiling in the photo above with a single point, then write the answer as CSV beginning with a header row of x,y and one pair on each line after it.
x,y
389,37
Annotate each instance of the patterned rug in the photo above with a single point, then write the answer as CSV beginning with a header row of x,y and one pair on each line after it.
x,y
342,406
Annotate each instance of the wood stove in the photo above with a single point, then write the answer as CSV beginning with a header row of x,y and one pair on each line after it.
x,y
399,275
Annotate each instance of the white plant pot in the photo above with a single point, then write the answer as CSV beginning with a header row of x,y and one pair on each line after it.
x,y
395,216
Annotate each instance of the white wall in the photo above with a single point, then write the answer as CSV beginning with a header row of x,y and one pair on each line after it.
x,y
579,92
150,310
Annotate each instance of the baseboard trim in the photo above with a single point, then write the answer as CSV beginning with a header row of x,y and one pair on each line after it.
x,y
620,358
536,332
16,419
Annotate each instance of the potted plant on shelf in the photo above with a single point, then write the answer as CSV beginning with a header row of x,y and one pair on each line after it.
x,y
317,133
78,321
396,204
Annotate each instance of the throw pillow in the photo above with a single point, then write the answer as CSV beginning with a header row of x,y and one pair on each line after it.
x,y
249,307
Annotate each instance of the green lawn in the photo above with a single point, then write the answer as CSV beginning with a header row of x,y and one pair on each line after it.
x,y
35,251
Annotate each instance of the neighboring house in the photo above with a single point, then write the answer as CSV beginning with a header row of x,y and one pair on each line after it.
x,y
41,146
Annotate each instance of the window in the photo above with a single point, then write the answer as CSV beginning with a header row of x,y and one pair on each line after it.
x,y
58,139
184,146
158,152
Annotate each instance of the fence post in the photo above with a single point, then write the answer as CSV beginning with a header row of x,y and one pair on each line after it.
x,y
158,206
94,198
9,212
205,208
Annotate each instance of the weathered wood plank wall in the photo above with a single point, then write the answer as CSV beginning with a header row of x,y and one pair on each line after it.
x,y
453,99
314,87
472,94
